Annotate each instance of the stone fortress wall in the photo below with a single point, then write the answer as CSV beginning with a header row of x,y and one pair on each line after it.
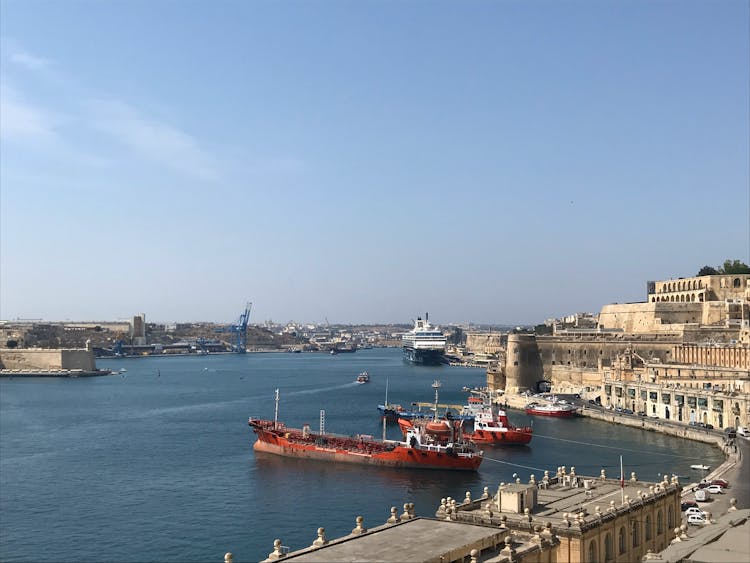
x,y
41,359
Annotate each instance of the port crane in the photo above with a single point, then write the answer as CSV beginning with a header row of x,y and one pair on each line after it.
x,y
239,330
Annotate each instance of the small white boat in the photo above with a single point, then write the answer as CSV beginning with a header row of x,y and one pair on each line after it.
x,y
699,467
363,378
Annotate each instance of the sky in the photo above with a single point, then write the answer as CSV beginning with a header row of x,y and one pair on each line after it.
x,y
364,162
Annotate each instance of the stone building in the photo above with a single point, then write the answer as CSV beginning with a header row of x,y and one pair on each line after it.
x,y
41,360
706,384
595,519
485,343
676,305
405,537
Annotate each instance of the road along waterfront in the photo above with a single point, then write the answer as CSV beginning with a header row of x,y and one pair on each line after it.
x,y
157,463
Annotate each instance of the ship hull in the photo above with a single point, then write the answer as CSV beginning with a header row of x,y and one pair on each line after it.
x,y
424,357
398,456
510,437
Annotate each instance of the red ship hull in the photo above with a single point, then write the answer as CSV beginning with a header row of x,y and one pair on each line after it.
x,y
294,443
493,436
507,437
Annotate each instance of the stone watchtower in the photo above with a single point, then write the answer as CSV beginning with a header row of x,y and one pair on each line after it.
x,y
523,363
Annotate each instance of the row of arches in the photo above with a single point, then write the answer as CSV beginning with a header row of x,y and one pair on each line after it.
x,y
684,298
685,285
635,537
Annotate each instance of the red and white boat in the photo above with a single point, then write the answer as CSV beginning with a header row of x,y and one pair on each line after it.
x,y
491,426
553,408
420,450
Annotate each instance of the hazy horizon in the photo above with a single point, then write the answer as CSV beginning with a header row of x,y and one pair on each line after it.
x,y
493,162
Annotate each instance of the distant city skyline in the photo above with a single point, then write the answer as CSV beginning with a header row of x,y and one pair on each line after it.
x,y
486,162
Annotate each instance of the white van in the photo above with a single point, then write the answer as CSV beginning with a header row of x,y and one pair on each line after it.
x,y
742,431
702,495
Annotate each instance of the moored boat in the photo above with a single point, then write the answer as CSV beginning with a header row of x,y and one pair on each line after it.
x,y
700,467
551,409
491,426
418,451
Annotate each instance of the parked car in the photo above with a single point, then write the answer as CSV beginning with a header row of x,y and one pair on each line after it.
x,y
708,426
715,490
696,520
627,411
695,510
702,495
693,423
723,483
688,504
742,431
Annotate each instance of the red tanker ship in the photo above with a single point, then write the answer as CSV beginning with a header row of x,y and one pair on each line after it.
x,y
419,451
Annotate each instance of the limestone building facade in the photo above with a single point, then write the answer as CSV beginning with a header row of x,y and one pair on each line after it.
x,y
594,518
707,384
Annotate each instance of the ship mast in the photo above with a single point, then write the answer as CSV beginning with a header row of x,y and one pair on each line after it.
x,y
276,411
436,385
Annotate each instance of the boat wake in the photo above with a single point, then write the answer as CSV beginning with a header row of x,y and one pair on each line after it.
x,y
322,389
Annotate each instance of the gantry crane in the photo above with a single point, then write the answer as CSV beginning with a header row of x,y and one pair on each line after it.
x,y
239,330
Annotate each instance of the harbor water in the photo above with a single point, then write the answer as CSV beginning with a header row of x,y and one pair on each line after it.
x,y
156,463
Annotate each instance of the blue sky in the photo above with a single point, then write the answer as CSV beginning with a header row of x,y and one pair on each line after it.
x,y
363,161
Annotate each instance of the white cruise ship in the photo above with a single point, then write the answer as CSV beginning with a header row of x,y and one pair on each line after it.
x,y
424,344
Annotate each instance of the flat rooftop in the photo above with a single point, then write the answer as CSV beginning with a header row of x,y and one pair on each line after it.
x,y
413,540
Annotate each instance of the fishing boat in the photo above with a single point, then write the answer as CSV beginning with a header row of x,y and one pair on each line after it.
x,y
363,377
418,451
553,408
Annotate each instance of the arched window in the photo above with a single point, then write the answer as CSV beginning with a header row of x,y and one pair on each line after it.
x,y
659,523
648,527
736,282
622,543
634,534
593,555
670,517
609,554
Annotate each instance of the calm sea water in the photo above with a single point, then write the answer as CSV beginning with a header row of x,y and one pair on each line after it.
x,y
157,463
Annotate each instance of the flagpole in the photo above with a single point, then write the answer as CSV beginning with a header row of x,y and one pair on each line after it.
x,y
622,483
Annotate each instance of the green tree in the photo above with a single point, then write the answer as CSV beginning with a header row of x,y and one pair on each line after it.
x,y
734,267
707,271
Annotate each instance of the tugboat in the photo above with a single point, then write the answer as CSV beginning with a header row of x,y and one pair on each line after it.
x,y
418,451
491,426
